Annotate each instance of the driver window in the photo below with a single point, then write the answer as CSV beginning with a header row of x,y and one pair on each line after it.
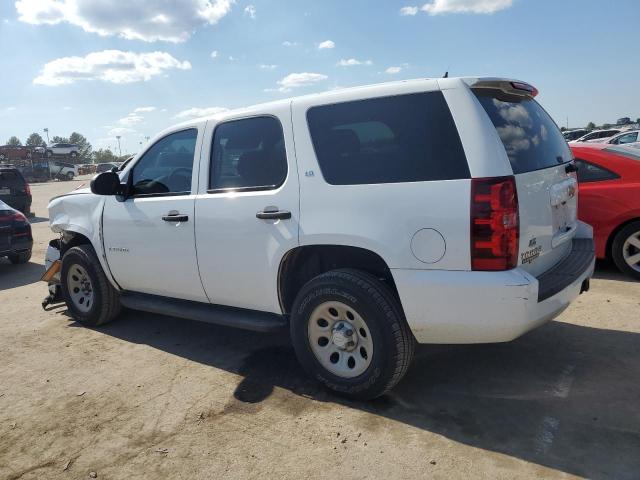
x,y
167,166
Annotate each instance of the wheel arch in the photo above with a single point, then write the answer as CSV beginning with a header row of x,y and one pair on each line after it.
x,y
614,232
301,264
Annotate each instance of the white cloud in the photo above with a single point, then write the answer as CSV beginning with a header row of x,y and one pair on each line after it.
x,y
10,109
287,43
150,21
437,7
263,66
214,54
114,66
115,131
250,10
196,112
408,11
66,108
144,109
352,62
131,120
326,44
231,58
297,80
393,70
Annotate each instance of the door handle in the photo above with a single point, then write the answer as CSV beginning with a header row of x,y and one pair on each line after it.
x,y
274,215
176,217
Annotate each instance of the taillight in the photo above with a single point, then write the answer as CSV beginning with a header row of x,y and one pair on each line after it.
x,y
21,226
494,223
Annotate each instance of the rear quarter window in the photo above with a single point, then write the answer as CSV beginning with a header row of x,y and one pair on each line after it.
x,y
403,138
530,137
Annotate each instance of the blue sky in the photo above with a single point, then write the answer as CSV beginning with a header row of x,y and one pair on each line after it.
x,y
105,68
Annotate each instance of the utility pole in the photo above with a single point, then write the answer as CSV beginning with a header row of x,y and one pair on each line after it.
x,y
46,130
147,138
119,148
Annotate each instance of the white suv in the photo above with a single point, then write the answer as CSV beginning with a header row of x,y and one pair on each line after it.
x,y
69,149
364,220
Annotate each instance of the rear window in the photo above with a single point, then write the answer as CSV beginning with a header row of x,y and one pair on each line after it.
x,y
10,177
404,138
630,152
529,135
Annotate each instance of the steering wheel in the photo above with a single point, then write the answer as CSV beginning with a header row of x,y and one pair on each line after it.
x,y
183,172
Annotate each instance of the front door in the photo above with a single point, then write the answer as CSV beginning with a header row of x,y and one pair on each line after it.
x,y
247,209
149,237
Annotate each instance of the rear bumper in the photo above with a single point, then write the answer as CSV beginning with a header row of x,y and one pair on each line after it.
x,y
16,245
488,307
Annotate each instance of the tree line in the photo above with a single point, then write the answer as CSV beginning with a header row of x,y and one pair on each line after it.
x,y
86,154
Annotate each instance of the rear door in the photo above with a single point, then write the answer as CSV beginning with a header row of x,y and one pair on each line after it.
x,y
12,188
547,192
247,212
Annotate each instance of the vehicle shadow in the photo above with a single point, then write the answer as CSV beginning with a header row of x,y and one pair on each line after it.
x,y
563,396
35,219
607,270
12,276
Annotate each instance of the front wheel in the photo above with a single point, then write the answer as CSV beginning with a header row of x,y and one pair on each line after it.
x,y
89,296
625,249
70,176
74,154
349,333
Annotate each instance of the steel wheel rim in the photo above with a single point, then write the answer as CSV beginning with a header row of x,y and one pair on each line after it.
x,y
80,288
631,251
340,339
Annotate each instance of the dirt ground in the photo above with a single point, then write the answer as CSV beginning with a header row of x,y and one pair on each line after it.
x,y
157,397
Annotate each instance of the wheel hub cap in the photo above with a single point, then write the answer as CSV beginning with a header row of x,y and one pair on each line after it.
x,y
340,339
80,288
631,251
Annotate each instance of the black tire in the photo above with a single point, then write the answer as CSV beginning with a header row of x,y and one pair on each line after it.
x,y
106,302
617,248
70,176
22,257
49,153
392,339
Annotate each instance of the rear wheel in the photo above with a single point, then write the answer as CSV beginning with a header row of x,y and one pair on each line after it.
x,y
70,176
350,334
625,249
89,296
74,154
22,257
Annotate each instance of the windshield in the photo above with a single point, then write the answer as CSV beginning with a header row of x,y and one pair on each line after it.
x,y
529,135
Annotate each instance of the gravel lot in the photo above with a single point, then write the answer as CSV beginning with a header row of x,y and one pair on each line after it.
x,y
157,397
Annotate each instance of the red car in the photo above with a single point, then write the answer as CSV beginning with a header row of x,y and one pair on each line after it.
x,y
609,200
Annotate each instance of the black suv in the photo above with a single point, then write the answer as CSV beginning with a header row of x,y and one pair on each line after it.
x,y
14,189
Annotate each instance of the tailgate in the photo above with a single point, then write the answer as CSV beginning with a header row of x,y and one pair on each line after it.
x,y
548,217
539,156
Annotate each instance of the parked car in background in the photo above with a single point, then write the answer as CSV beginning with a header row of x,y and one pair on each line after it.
x,y
598,135
14,189
622,138
105,167
12,152
623,121
69,149
574,134
87,169
16,240
63,170
401,227
609,200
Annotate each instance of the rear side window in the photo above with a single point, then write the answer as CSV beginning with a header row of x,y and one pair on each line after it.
x,y
404,138
588,172
248,154
529,135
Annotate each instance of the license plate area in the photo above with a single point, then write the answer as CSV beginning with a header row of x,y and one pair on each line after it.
x,y
564,211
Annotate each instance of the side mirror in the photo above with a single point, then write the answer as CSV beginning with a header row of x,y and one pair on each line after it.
x,y
106,183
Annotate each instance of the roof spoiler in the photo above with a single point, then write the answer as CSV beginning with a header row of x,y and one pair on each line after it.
x,y
513,87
